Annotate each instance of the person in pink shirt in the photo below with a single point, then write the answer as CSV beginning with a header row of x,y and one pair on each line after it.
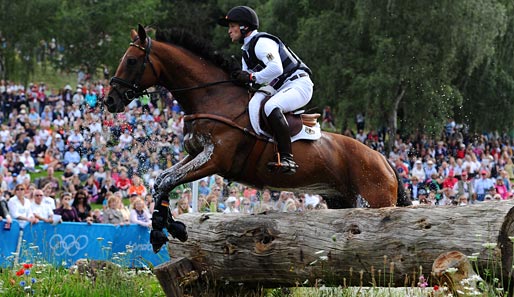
x,y
502,189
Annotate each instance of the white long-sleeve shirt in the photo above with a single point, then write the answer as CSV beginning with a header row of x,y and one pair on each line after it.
x,y
17,209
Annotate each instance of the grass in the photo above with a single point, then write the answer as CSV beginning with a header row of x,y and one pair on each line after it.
x,y
37,278
54,79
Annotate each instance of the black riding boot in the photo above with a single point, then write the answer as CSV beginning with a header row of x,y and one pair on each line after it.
x,y
280,128
162,218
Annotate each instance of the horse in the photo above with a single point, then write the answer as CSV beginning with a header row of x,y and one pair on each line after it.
x,y
219,139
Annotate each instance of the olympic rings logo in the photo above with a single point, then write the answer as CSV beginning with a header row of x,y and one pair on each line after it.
x,y
69,245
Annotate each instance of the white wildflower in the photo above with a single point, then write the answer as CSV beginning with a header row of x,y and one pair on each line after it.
x,y
489,245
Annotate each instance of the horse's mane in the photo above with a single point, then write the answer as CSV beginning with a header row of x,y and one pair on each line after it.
x,y
196,45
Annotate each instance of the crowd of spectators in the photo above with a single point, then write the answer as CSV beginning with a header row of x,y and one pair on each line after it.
x,y
89,161
459,168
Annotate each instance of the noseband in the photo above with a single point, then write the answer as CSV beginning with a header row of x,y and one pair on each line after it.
x,y
134,87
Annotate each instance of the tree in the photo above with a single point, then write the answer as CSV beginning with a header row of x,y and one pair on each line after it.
x,y
24,27
488,92
97,32
413,52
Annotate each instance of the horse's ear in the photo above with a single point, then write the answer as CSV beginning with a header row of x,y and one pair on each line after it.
x,y
142,34
133,35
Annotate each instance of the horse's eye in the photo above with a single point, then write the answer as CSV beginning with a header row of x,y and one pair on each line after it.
x,y
131,62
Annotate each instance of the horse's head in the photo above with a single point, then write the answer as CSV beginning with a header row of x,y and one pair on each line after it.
x,y
135,73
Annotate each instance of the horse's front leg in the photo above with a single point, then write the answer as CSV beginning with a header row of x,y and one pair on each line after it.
x,y
187,170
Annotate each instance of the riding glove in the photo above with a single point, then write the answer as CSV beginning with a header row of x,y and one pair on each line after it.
x,y
243,76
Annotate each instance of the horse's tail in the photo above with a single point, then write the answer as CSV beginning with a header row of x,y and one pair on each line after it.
x,y
402,199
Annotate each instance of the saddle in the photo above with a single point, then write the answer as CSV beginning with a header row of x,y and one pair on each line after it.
x,y
295,119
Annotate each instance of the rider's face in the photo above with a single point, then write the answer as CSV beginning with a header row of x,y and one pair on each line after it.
x,y
234,32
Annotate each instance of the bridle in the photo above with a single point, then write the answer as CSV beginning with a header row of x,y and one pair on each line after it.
x,y
134,89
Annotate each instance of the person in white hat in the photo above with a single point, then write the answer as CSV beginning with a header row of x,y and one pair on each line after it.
x,y
230,205
418,171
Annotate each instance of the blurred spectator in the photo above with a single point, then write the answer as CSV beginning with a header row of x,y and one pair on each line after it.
x,y
67,212
265,203
71,156
4,210
414,186
113,215
137,187
48,196
82,206
212,201
430,169
245,206
327,118
50,180
230,205
281,203
463,187
481,186
203,188
122,208
123,183
450,180
20,206
140,214
41,210
28,161
150,203
289,205
97,216
181,207
91,189
501,189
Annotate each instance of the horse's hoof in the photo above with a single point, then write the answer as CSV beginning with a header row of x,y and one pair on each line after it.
x,y
178,230
157,239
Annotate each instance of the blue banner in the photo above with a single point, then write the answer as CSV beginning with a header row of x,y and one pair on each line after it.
x,y
8,242
65,243
136,238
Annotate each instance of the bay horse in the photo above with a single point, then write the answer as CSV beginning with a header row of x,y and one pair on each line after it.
x,y
219,139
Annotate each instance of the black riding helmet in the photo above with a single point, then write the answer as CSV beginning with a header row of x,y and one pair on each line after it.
x,y
242,15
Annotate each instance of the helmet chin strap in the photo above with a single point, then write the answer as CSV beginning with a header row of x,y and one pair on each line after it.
x,y
244,31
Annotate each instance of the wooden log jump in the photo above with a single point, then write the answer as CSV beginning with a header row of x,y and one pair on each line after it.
x,y
381,247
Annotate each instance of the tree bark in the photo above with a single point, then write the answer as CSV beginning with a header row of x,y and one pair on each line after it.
x,y
352,247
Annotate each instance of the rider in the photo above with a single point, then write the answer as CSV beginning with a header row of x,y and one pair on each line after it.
x,y
268,61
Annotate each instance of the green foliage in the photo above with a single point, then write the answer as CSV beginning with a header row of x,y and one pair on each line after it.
x,y
97,32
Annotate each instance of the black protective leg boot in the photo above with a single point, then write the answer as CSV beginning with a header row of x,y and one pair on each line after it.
x,y
280,128
162,218
157,236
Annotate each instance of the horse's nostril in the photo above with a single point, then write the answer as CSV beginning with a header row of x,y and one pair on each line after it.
x,y
109,100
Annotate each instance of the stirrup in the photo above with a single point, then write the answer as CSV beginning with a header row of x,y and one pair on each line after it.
x,y
284,165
